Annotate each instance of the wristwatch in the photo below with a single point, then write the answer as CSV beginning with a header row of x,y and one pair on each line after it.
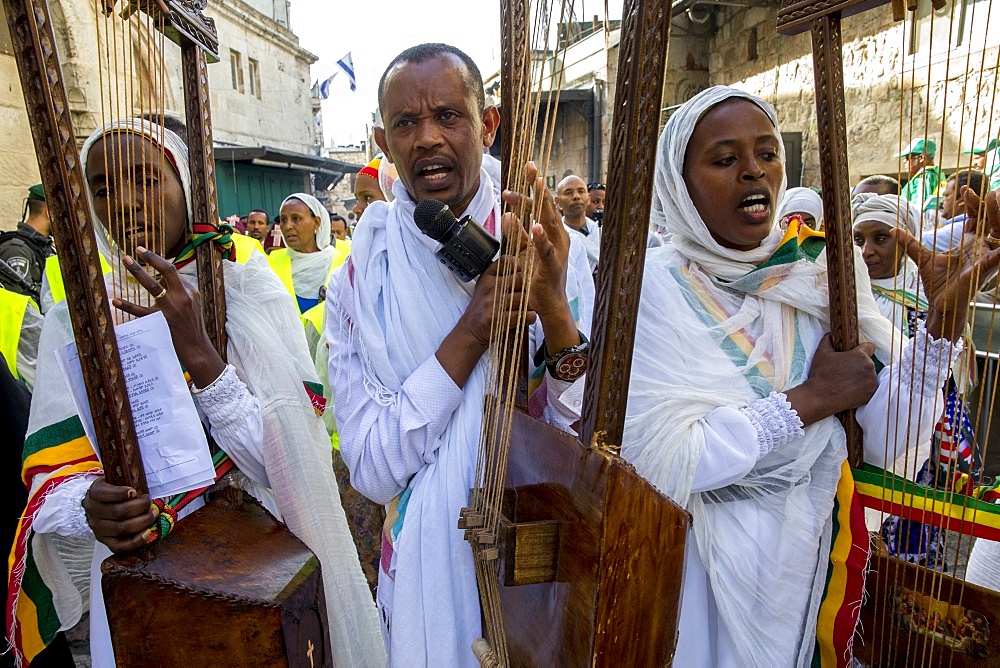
x,y
569,363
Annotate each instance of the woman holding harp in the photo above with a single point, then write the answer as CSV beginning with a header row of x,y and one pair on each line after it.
x,y
257,407
735,385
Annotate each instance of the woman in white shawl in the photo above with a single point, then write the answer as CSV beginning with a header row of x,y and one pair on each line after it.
x,y
304,267
897,291
257,407
735,386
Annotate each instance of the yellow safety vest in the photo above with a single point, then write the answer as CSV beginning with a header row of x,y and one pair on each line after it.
x,y
281,263
53,276
245,247
13,306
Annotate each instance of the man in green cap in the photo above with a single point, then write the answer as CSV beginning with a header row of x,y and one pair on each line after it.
x,y
922,188
25,249
978,153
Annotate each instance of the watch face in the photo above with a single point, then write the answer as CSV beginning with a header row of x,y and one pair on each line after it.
x,y
571,366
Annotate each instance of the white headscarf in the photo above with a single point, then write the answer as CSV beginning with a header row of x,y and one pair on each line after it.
x,y
310,271
802,200
174,151
673,208
760,537
892,211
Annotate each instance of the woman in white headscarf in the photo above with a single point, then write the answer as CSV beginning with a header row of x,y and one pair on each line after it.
x,y
304,267
893,275
898,294
803,201
257,407
735,385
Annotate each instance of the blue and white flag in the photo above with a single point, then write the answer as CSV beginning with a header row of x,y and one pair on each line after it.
x,y
346,64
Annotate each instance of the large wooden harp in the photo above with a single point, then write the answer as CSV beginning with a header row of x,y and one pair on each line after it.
x,y
912,615
584,563
230,585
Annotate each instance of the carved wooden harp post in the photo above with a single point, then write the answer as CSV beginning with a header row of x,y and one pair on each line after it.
x,y
642,60
823,20
229,585
51,123
196,38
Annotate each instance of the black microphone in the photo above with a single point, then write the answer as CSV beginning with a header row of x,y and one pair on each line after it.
x,y
467,248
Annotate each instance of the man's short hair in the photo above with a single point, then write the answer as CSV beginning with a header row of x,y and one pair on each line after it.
x,y
260,211
337,216
973,178
35,207
880,180
424,52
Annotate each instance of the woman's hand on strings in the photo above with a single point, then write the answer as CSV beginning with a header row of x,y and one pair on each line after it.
x,y
951,279
181,307
838,381
120,518
548,254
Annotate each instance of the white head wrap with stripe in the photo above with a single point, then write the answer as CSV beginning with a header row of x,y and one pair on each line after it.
x,y
892,211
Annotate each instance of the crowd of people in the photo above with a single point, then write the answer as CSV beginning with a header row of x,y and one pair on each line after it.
x,y
734,389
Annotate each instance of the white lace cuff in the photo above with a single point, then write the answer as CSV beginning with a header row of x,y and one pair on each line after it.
x,y
927,361
227,401
62,511
775,420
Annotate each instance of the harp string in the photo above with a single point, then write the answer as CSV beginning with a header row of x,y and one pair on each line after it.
x,y
922,650
509,328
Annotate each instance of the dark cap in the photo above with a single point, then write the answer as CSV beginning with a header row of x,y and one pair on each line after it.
x,y
36,193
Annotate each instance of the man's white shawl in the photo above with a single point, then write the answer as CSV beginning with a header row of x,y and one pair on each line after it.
x,y
402,304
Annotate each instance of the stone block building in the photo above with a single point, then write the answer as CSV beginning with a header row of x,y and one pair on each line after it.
x,y
931,75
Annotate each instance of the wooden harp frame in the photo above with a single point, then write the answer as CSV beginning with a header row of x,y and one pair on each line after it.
x,y
883,641
48,108
582,532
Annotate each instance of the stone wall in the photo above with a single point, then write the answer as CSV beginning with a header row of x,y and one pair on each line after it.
x,y
276,113
18,167
888,98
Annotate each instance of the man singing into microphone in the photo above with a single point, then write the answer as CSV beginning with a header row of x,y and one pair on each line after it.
x,y
407,341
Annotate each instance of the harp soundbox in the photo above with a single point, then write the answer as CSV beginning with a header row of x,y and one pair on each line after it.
x,y
580,560
912,615
230,585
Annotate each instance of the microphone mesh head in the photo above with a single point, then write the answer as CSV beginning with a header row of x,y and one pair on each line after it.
x,y
434,218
